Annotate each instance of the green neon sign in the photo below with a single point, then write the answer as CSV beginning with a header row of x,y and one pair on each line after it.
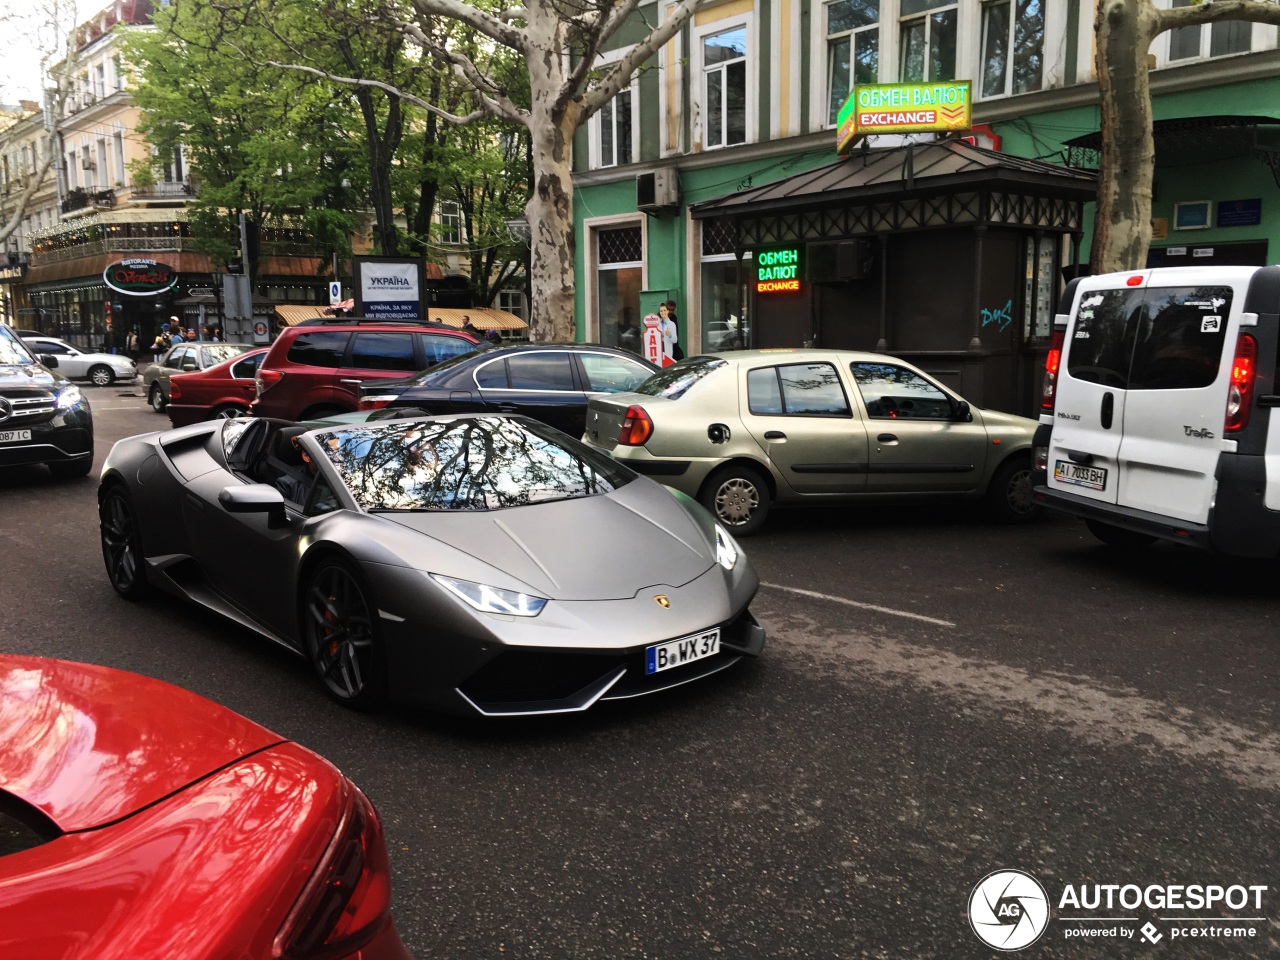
x,y
778,270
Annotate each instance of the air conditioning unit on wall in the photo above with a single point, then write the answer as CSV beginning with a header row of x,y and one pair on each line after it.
x,y
658,191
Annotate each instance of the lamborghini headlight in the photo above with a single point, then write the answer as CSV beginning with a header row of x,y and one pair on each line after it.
x,y
68,397
488,599
727,552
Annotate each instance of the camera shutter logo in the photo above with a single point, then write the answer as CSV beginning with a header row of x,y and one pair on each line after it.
x,y
1008,910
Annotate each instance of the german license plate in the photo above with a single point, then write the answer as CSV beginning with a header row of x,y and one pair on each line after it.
x,y
676,653
14,436
1095,478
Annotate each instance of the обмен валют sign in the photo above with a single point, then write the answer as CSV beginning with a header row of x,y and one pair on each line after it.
x,y
903,108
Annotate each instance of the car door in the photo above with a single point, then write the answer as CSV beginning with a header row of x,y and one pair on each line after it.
x,y
801,417
375,355
70,363
917,440
538,383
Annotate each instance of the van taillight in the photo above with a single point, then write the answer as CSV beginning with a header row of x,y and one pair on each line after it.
x,y
1049,389
348,898
1244,370
637,428
266,379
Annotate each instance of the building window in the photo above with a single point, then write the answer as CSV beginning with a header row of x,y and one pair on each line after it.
x,y
927,41
611,131
619,275
450,222
512,301
1012,47
724,87
117,146
1218,40
853,49
100,81
723,303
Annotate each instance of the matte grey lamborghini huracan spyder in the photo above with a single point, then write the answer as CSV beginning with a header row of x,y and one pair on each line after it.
x,y
472,564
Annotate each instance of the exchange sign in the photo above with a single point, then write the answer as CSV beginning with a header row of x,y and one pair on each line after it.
x,y
778,270
903,108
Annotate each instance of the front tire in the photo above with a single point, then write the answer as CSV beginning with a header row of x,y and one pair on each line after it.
x,y
1009,497
155,397
101,376
739,498
340,631
122,545
1119,537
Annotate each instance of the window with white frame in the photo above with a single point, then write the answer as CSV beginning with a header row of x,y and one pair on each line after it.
x,y
611,139
724,87
100,81
1012,47
927,31
1208,40
450,222
512,301
853,49
117,148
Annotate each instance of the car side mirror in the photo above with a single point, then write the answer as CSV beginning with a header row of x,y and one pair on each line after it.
x,y
960,411
255,498
190,365
49,360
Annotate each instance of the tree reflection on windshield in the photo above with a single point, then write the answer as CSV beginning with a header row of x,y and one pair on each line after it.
x,y
474,463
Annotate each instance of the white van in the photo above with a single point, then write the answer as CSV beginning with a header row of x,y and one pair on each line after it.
x,y
1156,416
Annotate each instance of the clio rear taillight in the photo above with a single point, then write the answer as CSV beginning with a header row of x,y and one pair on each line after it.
x,y
1049,388
637,428
1244,371
348,898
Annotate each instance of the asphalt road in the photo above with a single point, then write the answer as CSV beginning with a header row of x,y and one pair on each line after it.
x,y
939,699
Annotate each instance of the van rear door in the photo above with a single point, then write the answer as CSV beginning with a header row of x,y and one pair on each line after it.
x,y
1093,377
1178,381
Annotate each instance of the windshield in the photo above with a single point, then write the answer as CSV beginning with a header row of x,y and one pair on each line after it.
x,y
12,350
676,379
471,463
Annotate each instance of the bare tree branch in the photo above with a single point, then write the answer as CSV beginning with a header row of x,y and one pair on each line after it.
x,y
1257,11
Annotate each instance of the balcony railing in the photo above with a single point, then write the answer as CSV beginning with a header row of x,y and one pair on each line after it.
x,y
121,245
163,191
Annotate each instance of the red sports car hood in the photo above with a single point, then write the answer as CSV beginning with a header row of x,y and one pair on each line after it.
x,y
87,745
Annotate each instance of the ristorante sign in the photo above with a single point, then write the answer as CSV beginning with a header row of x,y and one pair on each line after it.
x,y
138,277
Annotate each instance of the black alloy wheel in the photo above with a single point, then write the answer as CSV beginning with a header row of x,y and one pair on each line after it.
x,y
122,545
341,636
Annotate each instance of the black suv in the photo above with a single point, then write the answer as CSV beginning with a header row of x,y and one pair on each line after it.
x,y
44,418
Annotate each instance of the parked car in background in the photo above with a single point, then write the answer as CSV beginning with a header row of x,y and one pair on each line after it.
x,y
184,358
451,562
223,391
102,369
314,371
44,418
743,431
130,803
551,382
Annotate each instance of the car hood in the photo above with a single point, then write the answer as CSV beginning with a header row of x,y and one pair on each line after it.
x,y
29,375
88,745
593,548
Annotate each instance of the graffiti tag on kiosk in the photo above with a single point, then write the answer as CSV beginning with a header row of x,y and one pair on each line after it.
x,y
139,277
1002,316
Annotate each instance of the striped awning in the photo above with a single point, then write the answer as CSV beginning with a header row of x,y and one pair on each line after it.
x,y
291,314
483,318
